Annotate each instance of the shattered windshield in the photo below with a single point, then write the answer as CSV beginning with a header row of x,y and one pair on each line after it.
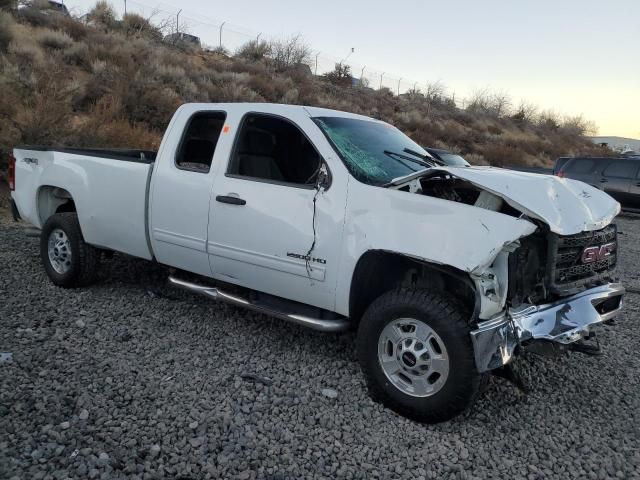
x,y
372,151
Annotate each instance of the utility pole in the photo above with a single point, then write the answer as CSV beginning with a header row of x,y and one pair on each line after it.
x,y
125,7
381,75
414,86
316,69
362,74
399,86
221,25
178,21
348,55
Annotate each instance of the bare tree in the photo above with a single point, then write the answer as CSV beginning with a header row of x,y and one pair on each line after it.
x,y
578,125
434,94
340,75
289,52
525,112
500,104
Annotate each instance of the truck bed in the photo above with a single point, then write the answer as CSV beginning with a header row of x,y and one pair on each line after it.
x,y
109,189
124,154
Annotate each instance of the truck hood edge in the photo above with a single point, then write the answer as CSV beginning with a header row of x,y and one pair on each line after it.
x,y
567,206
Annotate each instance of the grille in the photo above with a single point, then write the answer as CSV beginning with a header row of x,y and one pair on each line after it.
x,y
565,258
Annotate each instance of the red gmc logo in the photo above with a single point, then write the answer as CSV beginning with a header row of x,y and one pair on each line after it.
x,y
595,254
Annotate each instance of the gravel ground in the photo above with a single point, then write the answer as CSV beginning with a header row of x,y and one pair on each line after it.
x,y
130,379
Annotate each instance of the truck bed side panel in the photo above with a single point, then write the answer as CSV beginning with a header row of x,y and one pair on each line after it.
x,y
110,196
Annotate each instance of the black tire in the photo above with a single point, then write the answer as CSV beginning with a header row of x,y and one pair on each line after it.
x,y
448,319
84,258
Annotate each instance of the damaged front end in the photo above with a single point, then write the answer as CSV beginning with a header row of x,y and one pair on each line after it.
x,y
547,290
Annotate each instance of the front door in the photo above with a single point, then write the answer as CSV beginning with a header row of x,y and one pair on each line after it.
x,y
616,179
272,227
181,193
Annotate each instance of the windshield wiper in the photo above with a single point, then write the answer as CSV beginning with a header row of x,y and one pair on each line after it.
x,y
407,157
427,157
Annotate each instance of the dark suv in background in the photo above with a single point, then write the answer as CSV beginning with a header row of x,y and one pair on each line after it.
x,y
618,176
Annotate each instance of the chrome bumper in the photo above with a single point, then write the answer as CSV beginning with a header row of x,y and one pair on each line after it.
x,y
563,322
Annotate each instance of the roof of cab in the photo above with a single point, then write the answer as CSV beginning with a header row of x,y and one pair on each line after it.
x,y
311,111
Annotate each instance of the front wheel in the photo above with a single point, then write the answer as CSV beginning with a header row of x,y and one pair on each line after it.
x,y
68,260
415,351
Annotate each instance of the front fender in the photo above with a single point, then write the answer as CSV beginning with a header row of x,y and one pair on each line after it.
x,y
430,229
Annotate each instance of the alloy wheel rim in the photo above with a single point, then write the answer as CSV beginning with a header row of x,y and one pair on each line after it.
x,y
413,357
59,249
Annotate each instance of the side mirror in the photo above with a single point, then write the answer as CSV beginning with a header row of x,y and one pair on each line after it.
x,y
323,180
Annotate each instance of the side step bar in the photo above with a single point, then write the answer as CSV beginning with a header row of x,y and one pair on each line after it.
x,y
319,324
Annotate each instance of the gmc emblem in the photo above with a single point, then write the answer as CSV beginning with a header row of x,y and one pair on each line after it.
x,y
595,254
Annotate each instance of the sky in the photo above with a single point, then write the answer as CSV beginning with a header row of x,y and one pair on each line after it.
x,y
570,56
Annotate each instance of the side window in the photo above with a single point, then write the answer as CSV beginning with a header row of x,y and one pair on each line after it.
x,y
272,148
198,144
620,169
580,166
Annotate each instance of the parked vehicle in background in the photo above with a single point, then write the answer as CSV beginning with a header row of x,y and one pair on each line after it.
x,y
617,176
182,38
336,221
447,157
560,161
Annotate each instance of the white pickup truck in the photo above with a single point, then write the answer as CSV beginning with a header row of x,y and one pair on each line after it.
x,y
335,221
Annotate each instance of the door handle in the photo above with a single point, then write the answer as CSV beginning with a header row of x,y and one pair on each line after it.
x,y
231,200
603,180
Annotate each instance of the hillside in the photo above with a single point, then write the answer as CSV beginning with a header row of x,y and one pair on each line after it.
x,y
113,83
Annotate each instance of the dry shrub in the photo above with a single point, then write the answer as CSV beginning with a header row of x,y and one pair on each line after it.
x,y
26,53
44,116
6,30
494,129
78,54
502,155
54,40
34,16
103,15
137,25
254,50
8,4
72,27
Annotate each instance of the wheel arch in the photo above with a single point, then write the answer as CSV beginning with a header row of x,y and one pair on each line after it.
x,y
51,200
379,271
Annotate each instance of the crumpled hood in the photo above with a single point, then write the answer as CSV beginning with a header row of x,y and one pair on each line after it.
x,y
567,206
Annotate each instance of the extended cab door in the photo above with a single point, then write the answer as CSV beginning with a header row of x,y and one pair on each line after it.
x,y
181,188
271,229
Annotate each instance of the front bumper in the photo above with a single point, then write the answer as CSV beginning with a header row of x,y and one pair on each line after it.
x,y
563,322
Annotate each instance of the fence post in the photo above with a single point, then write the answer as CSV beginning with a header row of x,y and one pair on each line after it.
x,y
221,25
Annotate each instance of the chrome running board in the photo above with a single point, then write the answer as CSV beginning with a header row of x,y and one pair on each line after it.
x,y
319,324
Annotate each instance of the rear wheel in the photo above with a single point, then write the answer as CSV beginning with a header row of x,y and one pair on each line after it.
x,y
68,260
416,354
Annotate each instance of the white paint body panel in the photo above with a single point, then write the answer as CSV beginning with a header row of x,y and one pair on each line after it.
x,y
567,206
249,245
110,196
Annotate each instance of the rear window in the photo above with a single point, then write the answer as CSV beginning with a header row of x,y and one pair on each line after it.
x,y
621,169
580,165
